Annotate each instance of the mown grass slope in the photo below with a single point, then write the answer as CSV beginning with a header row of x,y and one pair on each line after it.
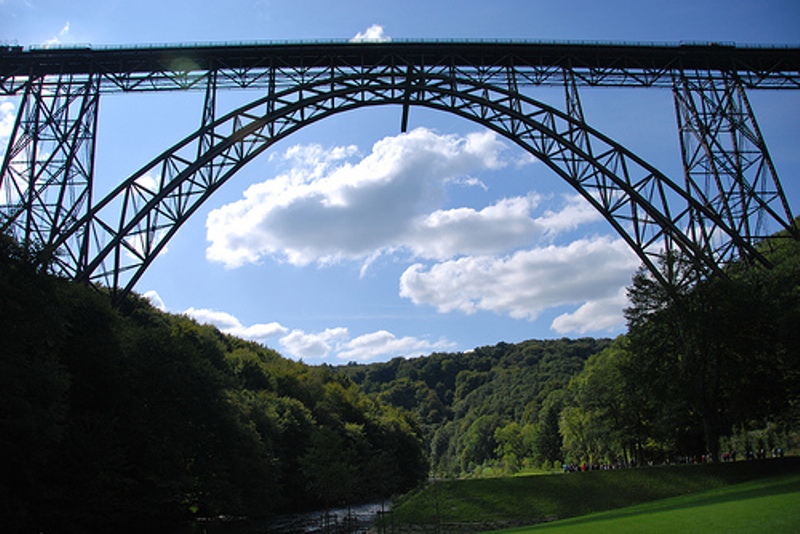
x,y
765,505
484,504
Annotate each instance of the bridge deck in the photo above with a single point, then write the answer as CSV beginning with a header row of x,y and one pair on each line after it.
x,y
606,64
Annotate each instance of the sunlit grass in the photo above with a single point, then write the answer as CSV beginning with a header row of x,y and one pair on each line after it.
x,y
532,500
771,505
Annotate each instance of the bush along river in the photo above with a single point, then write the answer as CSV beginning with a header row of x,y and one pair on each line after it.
x,y
349,519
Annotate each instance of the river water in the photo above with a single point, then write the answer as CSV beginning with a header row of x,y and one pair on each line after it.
x,y
352,519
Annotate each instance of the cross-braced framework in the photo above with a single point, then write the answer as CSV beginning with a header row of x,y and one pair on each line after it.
x,y
716,214
727,166
48,167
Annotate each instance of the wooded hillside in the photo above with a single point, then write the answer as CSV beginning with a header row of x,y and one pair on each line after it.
x,y
706,371
496,406
133,420
130,419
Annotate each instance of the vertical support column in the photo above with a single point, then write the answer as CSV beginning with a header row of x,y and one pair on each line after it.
x,y
48,170
727,166
514,101
206,140
414,87
410,82
513,88
577,135
271,97
209,112
571,95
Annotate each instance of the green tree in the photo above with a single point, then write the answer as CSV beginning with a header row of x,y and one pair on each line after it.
x,y
329,467
34,386
607,408
511,449
546,441
716,353
478,442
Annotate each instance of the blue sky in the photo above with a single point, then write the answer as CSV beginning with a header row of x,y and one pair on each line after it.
x,y
351,242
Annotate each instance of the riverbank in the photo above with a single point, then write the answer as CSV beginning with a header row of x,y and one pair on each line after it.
x,y
355,518
486,504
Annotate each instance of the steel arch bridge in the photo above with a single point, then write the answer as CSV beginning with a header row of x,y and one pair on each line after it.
x,y
717,211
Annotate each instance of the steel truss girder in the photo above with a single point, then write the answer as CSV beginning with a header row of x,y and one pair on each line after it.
x,y
160,68
727,166
120,236
48,168
47,172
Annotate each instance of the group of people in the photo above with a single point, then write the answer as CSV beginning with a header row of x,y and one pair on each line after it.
x,y
760,454
583,467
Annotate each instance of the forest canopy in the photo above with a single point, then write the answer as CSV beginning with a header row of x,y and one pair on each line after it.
x,y
704,371
130,419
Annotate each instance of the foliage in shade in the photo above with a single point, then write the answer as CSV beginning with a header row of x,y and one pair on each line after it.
x,y
130,419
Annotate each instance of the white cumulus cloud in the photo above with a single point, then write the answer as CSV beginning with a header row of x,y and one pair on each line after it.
x,y
315,347
504,225
327,209
299,344
576,212
525,283
382,344
599,315
372,34
7,115
336,204
379,345
229,324
59,37
155,300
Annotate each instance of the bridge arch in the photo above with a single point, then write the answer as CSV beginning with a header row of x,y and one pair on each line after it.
x,y
120,236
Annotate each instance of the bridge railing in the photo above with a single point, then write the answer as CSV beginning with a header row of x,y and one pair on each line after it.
x,y
149,67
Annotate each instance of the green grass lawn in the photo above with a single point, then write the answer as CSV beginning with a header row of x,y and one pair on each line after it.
x,y
713,491
770,505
